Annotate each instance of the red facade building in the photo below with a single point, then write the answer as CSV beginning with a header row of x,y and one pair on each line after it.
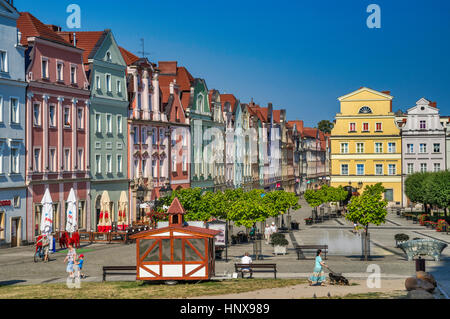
x,y
57,124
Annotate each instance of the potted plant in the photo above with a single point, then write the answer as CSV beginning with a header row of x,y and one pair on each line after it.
x,y
441,225
400,238
308,221
422,219
279,243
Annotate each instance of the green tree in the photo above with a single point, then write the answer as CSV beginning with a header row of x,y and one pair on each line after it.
x,y
325,126
368,208
314,197
437,190
415,188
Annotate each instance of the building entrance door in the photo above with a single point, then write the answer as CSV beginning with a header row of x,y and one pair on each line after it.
x,y
15,232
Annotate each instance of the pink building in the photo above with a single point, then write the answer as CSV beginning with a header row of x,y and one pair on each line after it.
x,y
57,124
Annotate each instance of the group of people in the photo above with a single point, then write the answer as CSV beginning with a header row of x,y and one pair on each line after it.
x,y
269,230
74,263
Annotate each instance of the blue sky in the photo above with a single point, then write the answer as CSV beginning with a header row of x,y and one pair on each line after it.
x,y
299,55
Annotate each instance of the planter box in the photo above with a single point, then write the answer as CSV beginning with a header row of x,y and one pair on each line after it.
x,y
279,250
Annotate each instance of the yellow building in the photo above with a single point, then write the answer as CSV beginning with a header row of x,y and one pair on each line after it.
x,y
366,144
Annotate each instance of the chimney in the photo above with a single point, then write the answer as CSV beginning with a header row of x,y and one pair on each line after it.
x,y
54,28
433,104
386,92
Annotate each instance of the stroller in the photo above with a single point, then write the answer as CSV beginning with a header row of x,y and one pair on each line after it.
x,y
337,278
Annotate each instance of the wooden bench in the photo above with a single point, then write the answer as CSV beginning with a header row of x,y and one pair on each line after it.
x,y
118,271
256,268
299,249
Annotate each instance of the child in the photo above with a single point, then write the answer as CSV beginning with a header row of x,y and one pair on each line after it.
x,y
80,266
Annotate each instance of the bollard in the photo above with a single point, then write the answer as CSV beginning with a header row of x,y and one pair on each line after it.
x,y
420,264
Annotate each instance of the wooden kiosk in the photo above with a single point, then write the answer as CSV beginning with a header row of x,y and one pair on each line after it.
x,y
176,252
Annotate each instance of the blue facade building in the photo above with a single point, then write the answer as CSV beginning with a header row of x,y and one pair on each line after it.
x,y
12,129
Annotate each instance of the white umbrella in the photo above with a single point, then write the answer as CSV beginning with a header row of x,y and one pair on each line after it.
x,y
47,214
72,218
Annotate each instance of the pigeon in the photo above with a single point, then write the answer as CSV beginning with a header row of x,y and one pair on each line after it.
x,y
314,296
329,295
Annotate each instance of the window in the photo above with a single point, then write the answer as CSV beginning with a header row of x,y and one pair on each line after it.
x,y
80,159
108,83
139,101
98,83
15,169
352,127
52,160
389,195
365,110
98,123
378,147
109,163
174,163
81,214
1,108
52,116
365,127
423,148
109,123
144,135
108,56
16,201
378,127
344,148
67,116
67,159
359,147
98,164
119,124
437,167
36,114
45,68
410,148
410,168
392,169
423,167
136,135
73,74
184,163
359,169
119,164
15,111
378,169
59,71
436,148
119,87
3,62
80,118
423,125
154,136
144,168
2,145
37,160
154,174
391,147
344,169
161,136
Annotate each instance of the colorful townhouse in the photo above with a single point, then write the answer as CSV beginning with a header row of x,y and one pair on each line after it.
x,y
423,141
217,139
107,126
258,152
229,104
299,161
286,151
57,124
12,129
243,145
445,121
366,144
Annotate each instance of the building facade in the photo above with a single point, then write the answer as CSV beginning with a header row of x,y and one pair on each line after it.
x,y
423,141
57,129
366,144
12,129
108,143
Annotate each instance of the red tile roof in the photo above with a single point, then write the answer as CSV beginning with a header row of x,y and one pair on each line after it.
x,y
277,116
129,57
298,123
30,26
86,40
176,207
228,98
169,71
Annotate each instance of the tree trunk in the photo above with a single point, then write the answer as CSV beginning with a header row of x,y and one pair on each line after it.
x,y
366,244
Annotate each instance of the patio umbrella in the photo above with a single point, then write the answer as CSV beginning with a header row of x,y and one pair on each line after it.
x,y
105,202
72,218
47,213
122,215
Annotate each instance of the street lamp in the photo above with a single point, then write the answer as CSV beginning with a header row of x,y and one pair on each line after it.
x,y
360,185
140,194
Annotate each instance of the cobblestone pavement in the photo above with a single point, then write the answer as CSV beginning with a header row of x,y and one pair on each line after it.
x,y
17,266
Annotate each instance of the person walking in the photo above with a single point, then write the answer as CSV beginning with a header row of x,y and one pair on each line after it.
x,y
45,245
273,228
70,259
267,233
318,275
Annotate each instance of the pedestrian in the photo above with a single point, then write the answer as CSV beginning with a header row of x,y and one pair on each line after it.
x,y
70,259
267,233
45,244
246,260
80,266
273,228
318,275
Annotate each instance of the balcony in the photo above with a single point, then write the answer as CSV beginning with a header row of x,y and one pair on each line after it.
x,y
140,115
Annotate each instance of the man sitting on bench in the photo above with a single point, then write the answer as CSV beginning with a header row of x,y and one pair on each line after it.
x,y
247,260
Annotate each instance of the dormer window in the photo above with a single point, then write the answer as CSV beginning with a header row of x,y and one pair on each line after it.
x,y
365,110
108,56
